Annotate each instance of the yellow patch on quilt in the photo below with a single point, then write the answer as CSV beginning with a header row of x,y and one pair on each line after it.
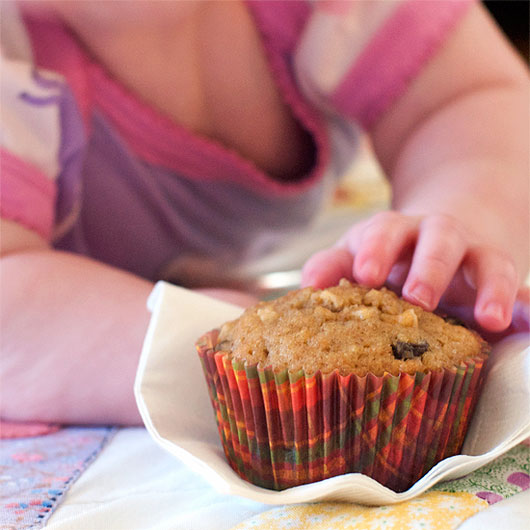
x,y
435,510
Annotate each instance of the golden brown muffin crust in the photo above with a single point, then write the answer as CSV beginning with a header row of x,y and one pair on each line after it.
x,y
350,328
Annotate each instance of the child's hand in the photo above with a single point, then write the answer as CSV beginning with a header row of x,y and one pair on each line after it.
x,y
432,259
520,317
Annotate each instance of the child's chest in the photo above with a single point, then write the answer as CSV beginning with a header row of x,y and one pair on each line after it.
x,y
213,77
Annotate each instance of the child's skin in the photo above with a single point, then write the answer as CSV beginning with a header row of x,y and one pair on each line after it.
x,y
455,148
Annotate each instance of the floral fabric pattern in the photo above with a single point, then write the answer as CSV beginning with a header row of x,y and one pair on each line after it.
x,y
507,475
420,513
36,473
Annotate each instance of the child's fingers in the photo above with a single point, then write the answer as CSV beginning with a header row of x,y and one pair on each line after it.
x,y
350,239
398,273
327,267
374,251
437,256
497,281
381,243
520,318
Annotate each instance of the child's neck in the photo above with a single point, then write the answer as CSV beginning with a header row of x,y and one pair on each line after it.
x,y
142,56
207,71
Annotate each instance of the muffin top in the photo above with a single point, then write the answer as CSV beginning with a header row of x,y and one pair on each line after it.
x,y
348,327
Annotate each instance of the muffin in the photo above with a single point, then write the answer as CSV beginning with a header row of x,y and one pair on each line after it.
x,y
348,379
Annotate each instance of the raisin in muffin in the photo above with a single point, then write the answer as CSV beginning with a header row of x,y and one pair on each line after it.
x,y
347,379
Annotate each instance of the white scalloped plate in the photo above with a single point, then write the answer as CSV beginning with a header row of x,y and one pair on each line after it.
x,y
173,400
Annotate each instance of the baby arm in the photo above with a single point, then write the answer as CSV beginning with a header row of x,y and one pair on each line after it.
x,y
72,331
455,147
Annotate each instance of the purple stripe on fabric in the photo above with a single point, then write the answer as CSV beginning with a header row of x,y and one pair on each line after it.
x,y
72,149
394,56
39,101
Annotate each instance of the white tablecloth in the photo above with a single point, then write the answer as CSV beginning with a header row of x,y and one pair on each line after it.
x,y
135,485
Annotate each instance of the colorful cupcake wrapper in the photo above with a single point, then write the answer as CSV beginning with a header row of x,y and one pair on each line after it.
x,y
280,429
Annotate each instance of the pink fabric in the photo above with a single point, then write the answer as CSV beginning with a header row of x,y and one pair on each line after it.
x,y
335,7
10,429
56,49
394,56
28,196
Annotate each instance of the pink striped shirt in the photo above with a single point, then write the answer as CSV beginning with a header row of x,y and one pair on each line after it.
x,y
94,170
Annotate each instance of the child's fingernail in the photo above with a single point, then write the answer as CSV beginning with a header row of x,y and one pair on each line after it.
x,y
494,310
422,294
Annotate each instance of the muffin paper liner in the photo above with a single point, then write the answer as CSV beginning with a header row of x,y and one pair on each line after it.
x,y
281,429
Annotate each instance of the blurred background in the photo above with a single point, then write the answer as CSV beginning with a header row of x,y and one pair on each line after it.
x,y
513,17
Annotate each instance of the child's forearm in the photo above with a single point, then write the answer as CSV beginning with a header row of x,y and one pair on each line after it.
x,y
457,141
470,160
72,331
71,334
